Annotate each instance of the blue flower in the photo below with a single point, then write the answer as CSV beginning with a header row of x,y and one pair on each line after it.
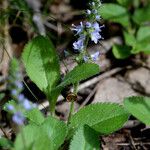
x,y
18,118
88,11
88,25
14,92
10,107
78,29
95,56
95,36
26,104
79,45
21,97
19,84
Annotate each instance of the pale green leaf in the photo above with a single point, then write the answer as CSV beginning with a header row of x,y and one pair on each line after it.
x,y
41,63
125,3
139,107
105,118
85,138
52,129
35,116
141,15
115,13
121,51
129,39
143,33
56,131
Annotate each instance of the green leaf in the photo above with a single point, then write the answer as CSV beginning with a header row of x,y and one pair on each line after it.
x,y
125,3
50,134
129,39
139,107
142,43
35,116
143,33
56,131
41,63
141,16
105,118
85,138
80,73
121,51
5,143
115,13
27,137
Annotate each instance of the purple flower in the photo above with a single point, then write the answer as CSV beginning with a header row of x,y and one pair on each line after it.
x,y
95,36
78,29
26,104
18,118
95,56
10,107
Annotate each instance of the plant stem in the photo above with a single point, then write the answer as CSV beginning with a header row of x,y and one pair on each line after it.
x,y
72,103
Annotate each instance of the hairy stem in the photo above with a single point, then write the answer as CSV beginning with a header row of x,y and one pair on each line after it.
x,y
72,103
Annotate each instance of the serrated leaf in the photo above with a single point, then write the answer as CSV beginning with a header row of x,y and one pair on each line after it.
x,y
105,118
121,51
85,138
41,63
115,13
35,116
52,129
80,73
30,134
141,15
139,107
56,131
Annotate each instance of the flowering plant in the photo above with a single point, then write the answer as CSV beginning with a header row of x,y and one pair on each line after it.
x,y
83,128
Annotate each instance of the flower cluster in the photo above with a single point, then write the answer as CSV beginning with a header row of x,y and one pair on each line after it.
x,y
88,30
15,86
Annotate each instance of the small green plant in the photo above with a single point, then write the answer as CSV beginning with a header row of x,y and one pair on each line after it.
x,y
134,20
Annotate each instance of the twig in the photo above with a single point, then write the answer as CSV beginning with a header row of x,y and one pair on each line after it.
x,y
5,134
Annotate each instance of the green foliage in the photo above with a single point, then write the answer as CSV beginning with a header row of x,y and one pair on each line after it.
x,y
125,3
42,64
79,73
130,40
121,51
142,40
141,15
115,13
5,143
49,135
85,138
139,107
102,117
35,116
